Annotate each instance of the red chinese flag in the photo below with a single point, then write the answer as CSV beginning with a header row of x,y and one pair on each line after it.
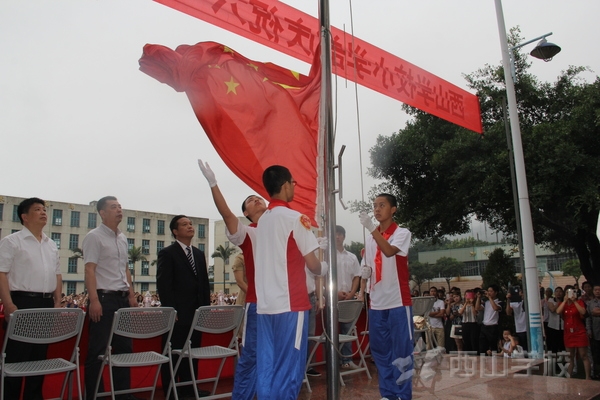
x,y
255,114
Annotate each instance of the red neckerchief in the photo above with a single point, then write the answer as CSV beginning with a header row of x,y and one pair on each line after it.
x,y
386,235
277,203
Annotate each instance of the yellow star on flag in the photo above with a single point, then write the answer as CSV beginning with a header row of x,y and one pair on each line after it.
x,y
296,74
227,50
231,85
253,66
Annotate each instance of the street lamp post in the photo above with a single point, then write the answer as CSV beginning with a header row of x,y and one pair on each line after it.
x,y
536,345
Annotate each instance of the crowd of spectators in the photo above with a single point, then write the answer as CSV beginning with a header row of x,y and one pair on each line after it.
x,y
571,318
80,300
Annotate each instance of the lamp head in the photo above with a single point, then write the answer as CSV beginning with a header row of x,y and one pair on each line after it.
x,y
545,50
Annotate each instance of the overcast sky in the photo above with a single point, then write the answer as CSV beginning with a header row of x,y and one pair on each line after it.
x,y
78,120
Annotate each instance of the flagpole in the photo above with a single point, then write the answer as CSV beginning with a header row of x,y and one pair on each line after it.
x,y
328,217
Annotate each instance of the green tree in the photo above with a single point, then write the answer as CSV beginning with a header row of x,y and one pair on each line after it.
x,y
224,253
135,254
420,273
466,242
571,268
500,271
444,175
356,249
448,268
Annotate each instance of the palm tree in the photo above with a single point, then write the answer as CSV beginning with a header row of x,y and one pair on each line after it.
x,y
135,255
224,253
77,253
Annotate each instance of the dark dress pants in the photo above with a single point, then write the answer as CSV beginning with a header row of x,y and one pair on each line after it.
x,y
20,351
180,333
98,337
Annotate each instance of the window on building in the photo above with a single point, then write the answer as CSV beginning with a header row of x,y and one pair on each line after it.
x,y
1,210
160,227
72,265
57,217
226,276
75,218
92,220
16,214
145,246
146,225
201,231
14,230
56,237
73,241
130,243
131,268
160,244
130,224
71,288
144,287
145,268
201,246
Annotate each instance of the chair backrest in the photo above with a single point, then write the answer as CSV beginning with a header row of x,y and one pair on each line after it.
x,y
44,325
143,322
421,306
349,311
218,319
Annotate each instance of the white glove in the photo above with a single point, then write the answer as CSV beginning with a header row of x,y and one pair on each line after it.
x,y
323,242
208,173
324,268
365,272
366,221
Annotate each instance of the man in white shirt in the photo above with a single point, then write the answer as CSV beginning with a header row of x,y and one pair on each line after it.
x,y
348,279
489,333
108,281
518,309
435,319
29,278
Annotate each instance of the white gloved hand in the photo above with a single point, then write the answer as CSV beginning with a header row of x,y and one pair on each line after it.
x,y
365,272
323,242
208,173
366,221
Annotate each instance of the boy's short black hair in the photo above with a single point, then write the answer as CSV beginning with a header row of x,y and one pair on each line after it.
x,y
274,178
390,198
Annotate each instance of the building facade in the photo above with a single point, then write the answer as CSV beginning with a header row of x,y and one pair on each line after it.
x,y
475,259
68,223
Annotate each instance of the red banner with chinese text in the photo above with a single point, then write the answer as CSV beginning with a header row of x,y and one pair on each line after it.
x,y
293,32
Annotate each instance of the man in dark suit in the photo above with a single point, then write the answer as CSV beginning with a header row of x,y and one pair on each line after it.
x,y
182,283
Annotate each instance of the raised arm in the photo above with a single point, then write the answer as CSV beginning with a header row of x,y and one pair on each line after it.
x,y
231,221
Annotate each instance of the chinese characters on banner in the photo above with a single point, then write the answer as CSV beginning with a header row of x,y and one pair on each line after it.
x,y
286,29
